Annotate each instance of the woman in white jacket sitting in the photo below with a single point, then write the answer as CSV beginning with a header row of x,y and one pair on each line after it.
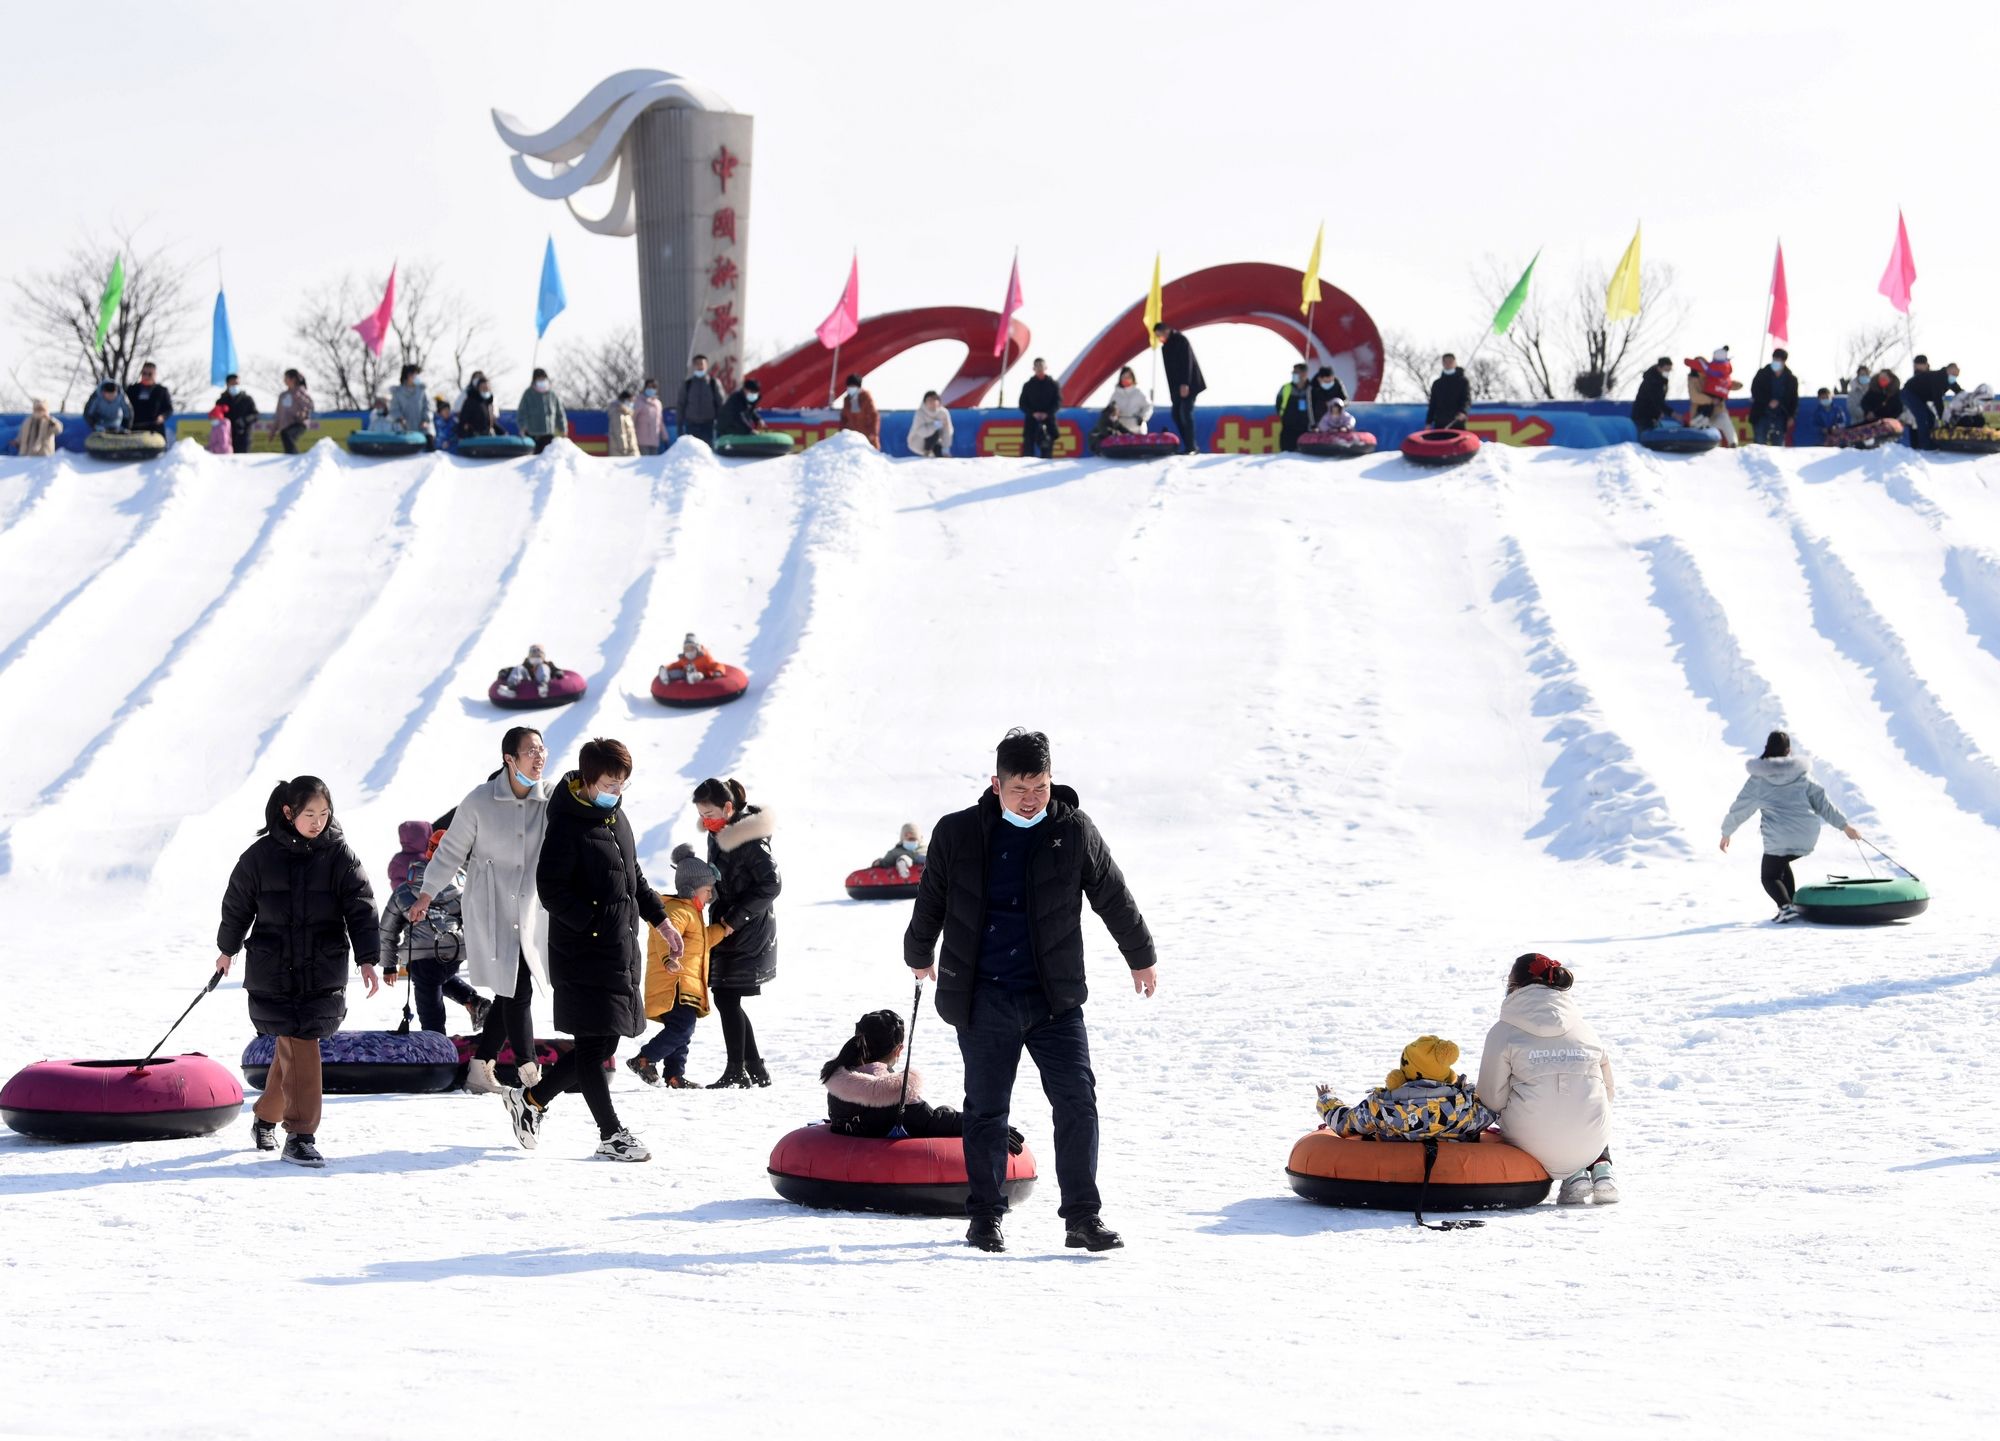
x,y
1129,407
1547,1078
930,427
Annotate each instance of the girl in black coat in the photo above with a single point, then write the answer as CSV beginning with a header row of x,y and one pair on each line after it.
x,y
739,847
590,883
297,900
477,415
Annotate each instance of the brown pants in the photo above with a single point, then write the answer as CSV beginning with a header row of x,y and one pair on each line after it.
x,y
292,1091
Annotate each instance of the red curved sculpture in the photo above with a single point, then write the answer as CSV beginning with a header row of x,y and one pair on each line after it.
x,y
1248,293
798,378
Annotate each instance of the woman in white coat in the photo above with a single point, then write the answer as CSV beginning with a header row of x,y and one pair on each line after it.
x,y
930,427
1547,1078
1791,807
495,837
1130,407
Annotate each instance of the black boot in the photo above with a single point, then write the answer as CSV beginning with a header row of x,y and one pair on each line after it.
x,y
1091,1234
263,1134
757,1074
732,1079
984,1234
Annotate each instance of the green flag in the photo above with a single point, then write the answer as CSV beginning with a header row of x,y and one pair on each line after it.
x,y
114,292
1516,298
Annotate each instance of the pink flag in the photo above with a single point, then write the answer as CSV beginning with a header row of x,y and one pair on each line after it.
x,y
1902,271
1007,308
375,329
1781,298
846,318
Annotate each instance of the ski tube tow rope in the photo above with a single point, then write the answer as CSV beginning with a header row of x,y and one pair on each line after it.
x,y
214,980
896,1132
1430,1160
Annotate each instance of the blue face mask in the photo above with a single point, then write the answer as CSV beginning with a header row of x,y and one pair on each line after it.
x,y
606,800
1026,823
909,845
650,392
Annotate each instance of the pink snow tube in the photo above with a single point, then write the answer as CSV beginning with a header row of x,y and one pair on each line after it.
x,y
828,1170
567,687
1440,447
174,1097
1157,445
690,695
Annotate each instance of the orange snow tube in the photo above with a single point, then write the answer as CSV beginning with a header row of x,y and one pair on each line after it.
x,y
1486,1175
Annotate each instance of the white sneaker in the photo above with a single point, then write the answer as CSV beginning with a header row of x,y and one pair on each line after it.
x,y
665,678
530,1074
622,1145
1576,1190
1603,1186
480,1080
543,690
504,691
1786,913
525,1115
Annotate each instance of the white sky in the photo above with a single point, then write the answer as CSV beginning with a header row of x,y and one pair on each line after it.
x,y
938,137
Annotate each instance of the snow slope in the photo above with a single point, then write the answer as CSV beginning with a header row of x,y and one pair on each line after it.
x,y
1357,733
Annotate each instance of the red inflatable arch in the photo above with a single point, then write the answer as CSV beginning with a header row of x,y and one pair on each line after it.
x,y
798,378
1249,293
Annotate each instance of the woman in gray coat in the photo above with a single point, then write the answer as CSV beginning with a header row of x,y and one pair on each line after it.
x,y
1793,805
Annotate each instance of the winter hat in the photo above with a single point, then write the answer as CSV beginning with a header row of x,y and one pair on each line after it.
x,y
1427,1058
691,872
1720,356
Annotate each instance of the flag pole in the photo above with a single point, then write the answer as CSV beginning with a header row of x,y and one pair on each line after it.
x,y
832,375
1310,310
1006,349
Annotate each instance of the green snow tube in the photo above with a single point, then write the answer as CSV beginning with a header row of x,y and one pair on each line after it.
x,y
1863,900
759,445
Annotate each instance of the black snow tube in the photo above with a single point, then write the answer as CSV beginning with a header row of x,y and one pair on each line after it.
x,y
1680,439
367,1063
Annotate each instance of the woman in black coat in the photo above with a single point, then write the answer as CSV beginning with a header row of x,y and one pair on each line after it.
x,y
297,901
589,881
746,960
477,414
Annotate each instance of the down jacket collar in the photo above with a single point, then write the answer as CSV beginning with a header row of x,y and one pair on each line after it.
x,y
1778,770
873,1086
755,824
1540,1011
1062,804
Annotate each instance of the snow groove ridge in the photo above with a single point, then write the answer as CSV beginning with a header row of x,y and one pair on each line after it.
x,y
1601,804
1717,671
1928,735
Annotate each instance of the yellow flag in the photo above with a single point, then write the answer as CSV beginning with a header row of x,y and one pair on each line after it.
x,y
1309,294
1621,297
1154,310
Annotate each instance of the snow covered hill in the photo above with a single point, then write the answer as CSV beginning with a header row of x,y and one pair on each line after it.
x,y
1357,733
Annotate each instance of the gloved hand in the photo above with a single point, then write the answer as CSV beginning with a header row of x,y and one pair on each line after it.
x,y
903,864
1015,1141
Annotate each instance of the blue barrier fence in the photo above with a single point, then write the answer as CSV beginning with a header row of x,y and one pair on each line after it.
x,y
1219,429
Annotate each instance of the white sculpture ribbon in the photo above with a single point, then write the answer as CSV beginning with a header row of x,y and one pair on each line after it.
x,y
584,147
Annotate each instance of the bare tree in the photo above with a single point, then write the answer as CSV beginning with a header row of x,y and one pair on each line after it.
x,y
1872,347
593,372
58,309
1411,367
431,327
1568,346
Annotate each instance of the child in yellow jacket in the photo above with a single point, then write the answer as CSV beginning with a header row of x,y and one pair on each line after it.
x,y
677,993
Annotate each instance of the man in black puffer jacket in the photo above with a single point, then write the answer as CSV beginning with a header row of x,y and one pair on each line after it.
x,y
1041,404
1004,886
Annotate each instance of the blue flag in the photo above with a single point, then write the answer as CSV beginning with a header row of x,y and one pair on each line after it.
x,y
222,349
550,301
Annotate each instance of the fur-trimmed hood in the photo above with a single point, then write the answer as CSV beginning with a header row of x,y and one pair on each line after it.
x,y
1779,770
755,824
874,1086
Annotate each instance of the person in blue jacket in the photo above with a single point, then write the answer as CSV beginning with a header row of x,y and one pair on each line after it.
x,y
107,409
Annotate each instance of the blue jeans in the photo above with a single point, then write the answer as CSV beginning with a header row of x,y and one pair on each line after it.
x,y
431,981
1003,1024
668,1046
1769,427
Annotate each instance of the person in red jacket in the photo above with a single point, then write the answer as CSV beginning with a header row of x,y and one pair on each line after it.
x,y
858,412
1709,384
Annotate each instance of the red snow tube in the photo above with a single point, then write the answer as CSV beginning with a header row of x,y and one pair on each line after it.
x,y
1156,446
547,1053
173,1098
694,695
1336,444
1440,447
567,687
818,1166
1489,1175
883,883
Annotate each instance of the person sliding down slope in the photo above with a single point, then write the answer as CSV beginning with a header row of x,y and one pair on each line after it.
x,y
1792,805
693,665
534,668
907,854
1423,1099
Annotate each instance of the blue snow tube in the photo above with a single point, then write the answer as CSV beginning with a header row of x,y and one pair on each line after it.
x,y
369,1062
385,442
1680,439
495,447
